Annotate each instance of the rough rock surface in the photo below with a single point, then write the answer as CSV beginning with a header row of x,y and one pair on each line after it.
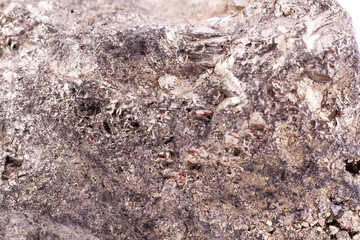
x,y
165,119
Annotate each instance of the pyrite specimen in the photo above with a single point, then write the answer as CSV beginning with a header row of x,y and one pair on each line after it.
x,y
197,119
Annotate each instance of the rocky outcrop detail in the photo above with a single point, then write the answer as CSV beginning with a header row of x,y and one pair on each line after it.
x,y
152,119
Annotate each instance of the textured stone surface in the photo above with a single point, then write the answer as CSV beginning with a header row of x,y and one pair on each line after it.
x,y
154,119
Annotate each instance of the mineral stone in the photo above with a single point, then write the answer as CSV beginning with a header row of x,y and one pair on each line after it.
x,y
178,119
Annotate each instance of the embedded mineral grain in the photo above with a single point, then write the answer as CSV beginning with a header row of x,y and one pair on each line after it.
x,y
178,119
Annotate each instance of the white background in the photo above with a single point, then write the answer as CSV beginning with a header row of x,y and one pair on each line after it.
x,y
353,8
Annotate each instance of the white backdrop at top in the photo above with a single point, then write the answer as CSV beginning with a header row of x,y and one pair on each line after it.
x,y
353,8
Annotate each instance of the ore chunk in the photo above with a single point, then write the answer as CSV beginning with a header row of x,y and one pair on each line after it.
x,y
174,119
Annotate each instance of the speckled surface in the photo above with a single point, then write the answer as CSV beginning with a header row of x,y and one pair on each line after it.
x,y
152,119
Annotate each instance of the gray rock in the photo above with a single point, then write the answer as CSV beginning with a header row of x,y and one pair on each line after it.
x,y
154,119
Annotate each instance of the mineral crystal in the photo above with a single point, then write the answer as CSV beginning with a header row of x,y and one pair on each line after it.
x,y
169,119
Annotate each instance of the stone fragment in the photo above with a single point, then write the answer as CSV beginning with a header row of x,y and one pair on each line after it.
x,y
322,222
350,220
356,237
333,230
343,235
174,119
335,209
305,224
